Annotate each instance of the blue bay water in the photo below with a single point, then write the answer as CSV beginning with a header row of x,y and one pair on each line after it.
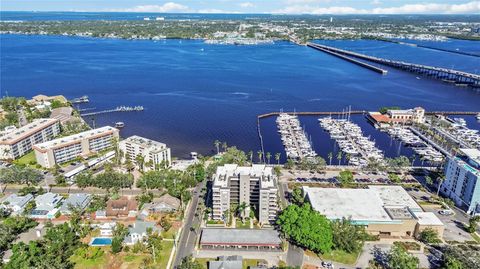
x,y
195,93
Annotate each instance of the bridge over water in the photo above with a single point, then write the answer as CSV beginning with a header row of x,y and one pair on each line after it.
x,y
460,78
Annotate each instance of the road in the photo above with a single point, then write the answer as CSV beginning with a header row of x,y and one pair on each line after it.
x,y
294,253
186,244
74,189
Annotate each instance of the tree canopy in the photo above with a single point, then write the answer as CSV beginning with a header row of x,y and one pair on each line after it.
x,y
306,227
347,236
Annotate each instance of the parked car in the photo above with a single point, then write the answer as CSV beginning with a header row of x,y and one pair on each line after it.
x,y
445,212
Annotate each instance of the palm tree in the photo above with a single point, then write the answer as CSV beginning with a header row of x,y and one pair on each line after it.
x,y
347,157
260,154
224,146
217,145
140,160
241,210
339,157
250,154
330,157
277,157
268,155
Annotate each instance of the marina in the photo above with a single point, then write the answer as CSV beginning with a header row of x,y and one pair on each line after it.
x,y
294,138
359,150
419,146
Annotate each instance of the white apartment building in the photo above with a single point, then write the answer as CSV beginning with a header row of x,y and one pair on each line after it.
x,y
152,151
83,144
255,186
462,180
18,142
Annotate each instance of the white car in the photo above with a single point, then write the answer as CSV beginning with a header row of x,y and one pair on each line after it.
x,y
445,212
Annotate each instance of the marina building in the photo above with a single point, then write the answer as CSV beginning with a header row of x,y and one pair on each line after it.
x,y
153,152
383,210
83,144
19,141
462,180
397,116
253,186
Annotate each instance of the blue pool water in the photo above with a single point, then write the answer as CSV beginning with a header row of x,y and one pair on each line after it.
x,y
101,241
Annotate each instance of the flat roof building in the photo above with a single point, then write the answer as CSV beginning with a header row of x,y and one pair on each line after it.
x,y
153,152
19,141
462,180
226,262
255,186
383,210
234,239
83,144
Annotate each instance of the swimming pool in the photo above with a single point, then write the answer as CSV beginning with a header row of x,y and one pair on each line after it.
x,y
101,241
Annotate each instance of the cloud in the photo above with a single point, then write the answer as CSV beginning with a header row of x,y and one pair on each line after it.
x,y
246,4
376,2
470,7
167,7
218,11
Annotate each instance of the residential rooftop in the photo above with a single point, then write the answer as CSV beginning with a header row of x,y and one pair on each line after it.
x,y
16,200
146,143
75,138
26,131
259,171
80,200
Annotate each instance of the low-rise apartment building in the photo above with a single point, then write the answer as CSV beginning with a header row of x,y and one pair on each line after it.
x,y
462,180
252,186
153,152
65,149
19,141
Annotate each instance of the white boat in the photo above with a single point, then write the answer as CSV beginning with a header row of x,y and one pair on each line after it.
x,y
119,124
478,116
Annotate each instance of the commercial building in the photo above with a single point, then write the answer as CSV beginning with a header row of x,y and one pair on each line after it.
x,y
64,149
238,239
397,116
153,152
462,180
16,203
20,141
253,186
383,210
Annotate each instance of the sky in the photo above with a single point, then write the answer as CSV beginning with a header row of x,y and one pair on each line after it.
x,y
251,6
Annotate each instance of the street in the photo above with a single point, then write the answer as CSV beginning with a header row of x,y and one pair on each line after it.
x,y
186,244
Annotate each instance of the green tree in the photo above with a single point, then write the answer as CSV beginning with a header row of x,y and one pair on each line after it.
x,y
398,258
116,245
394,178
429,236
297,196
346,178
472,224
330,157
277,157
268,155
339,157
306,227
189,263
216,143
347,236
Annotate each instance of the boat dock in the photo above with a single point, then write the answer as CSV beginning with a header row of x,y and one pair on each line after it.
x,y
117,109
297,146
358,112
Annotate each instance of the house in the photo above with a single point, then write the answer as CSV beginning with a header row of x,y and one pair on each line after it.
x,y
166,203
38,99
106,229
138,231
121,208
15,203
78,200
227,262
46,206
63,114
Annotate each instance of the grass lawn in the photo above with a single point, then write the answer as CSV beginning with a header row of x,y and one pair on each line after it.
x,y
27,159
341,256
476,237
165,253
240,225
97,263
170,233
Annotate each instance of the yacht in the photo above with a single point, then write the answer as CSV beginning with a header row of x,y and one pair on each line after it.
x,y
478,116
119,124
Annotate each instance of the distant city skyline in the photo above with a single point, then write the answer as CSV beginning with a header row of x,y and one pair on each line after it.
x,y
251,6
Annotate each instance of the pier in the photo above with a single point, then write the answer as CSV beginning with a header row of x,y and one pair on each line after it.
x,y
457,77
349,59
427,47
117,109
